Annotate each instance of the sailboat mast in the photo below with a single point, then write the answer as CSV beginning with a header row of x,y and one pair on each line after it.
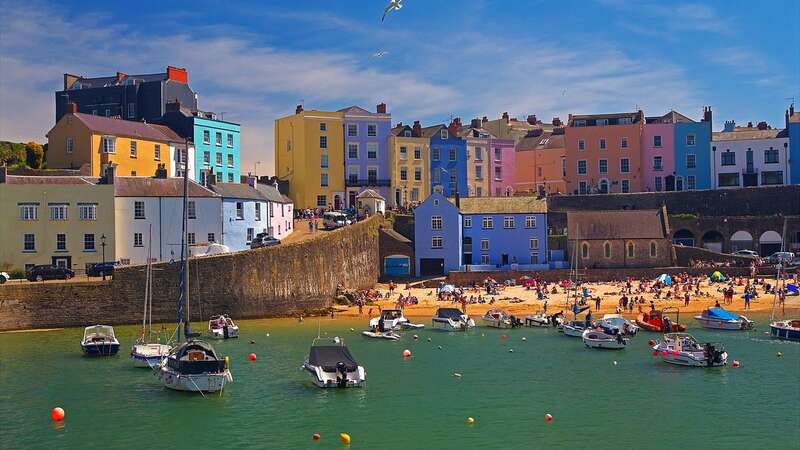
x,y
149,298
184,236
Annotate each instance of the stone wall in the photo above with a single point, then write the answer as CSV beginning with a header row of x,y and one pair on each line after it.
x,y
267,282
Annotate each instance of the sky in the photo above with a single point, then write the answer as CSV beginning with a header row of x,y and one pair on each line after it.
x,y
255,61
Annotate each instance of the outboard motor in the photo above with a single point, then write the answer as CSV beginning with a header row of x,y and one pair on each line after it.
x,y
711,354
341,374
667,325
225,331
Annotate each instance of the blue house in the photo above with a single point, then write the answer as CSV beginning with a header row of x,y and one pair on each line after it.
x,y
448,158
693,152
245,213
488,233
366,147
793,124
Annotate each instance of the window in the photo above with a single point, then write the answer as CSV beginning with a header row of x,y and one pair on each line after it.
x,y
29,242
239,210
772,177
206,137
728,158
581,144
498,173
484,259
230,177
601,122
452,154
437,175
352,130
488,223
323,179
467,222
478,153
603,166
607,250
230,160
435,154
771,156
498,154
61,242
322,201
352,174
658,186
323,126
478,172
479,191
58,211
87,211
602,187
658,163
582,167
508,222
656,141
372,130
415,194
218,138
190,239
534,257
133,173
88,242
498,192
138,209
579,123
583,188
108,112
70,145
728,179
584,250
219,159
323,161
690,140
691,161
323,142
191,209
108,145
372,150
530,222
403,174
157,152
436,222
131,110
443,134
403,153
626,186
352,150
533,244
691,182
417,174
623,143
230,140
484,244
624,165
631,249
137,240
211,238
134,149
436,242
417,152
602,144
653,249
206,158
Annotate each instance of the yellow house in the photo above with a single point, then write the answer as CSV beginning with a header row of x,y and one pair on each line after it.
x,y
57,220
136,148
309,154
408,157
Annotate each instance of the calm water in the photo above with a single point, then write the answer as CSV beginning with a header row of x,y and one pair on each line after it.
x,y
413,403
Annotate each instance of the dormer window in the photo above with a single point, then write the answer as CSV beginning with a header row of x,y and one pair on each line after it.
x,y
407,133
625,121
443,134
579,123
77,85
602,122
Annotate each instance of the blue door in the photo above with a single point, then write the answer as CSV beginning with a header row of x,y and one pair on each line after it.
x,y
397,266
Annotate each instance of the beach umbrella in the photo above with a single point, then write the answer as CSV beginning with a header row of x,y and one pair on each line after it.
x,y
717,276
664,278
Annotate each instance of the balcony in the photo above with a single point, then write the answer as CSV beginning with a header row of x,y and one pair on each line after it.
x,y
369,182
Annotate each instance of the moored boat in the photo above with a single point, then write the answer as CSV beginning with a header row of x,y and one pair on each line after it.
x,y
604,338
194,366
388,335
624,325
657,321
683,349
393,319
148,350
452,319
497,318
720,319
99,340
788,330
332,366
539,319
573,328
222,327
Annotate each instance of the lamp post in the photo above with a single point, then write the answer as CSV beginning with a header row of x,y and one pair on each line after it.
x,y
255,168
103,246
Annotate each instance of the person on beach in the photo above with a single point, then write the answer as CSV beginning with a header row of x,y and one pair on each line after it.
x,y
747,297
597,303
686,299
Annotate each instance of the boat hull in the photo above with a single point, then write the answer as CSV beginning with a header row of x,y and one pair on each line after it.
x,y
716,324
328,380
537,321
784,331
451,325
377,335
201,382
571,331
222,333
596,339
148,355
100,349
492,323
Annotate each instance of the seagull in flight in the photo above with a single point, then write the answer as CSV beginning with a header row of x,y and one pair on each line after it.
x,y
393,4
380,54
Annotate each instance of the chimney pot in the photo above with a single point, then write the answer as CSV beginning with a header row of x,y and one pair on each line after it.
x,y
556,122
749,124
73,107
381,108
110,173
505,116
763,125
485,119
416,130
475,123
532,119
298,109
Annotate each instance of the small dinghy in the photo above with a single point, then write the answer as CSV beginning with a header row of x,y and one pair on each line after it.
x,y
393,319
604,338
389,335
625,326
452,319
573,328
537,320
497,318
222,327
99,340
719,319
332,366
683,349
658,322
148,355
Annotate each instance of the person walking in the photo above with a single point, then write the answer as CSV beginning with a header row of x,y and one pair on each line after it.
x,y
747,297
597,303
686,299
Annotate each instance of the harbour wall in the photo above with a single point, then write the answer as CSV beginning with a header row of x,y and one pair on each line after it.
x,y
269,282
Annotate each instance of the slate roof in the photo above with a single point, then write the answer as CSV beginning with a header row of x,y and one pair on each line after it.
x,y
354,110
127,128
617,224
24,179
744,133
432,130
369,193
395,235
113,81
634,116
545,141
670,117
271,194
502,205
157,187
237,190
795,118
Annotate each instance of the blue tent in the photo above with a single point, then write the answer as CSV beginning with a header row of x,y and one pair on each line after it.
x,y
664,278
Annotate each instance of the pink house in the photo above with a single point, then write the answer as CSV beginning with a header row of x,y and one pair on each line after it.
x,y
658,153
501,167
280,211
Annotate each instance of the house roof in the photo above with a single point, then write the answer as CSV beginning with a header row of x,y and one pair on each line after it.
x,y
670,117
634,116
157,187
432,130
27,179
795,118
237,190
545,141
395,235
747,133
617,224
272,194
370,193
354,110
502,205
94,82
127,128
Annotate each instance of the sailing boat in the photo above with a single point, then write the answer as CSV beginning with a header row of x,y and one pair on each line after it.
x,y
192,365
146,353
784,329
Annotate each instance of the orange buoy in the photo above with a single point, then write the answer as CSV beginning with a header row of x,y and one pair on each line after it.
x,y
548,417
251,357
57,414
345,438
315,436
735,363
406,353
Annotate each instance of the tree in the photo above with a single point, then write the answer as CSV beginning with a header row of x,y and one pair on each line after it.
x,y
34,155
12,154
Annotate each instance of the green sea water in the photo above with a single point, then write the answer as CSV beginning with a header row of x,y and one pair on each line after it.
x,y
407,403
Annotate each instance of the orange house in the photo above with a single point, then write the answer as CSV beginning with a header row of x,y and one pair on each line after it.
x,y
603,153
540,162
136,148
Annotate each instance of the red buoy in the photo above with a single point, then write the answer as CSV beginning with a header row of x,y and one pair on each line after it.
x,y
664,353
503,337
57,414
655,352
406,353
651,342
548,417
735,363
315,436
251,357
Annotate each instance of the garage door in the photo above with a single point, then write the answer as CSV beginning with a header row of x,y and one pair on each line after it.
x,y
397,266
431,266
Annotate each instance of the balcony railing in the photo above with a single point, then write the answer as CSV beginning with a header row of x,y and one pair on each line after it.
x,y
352,182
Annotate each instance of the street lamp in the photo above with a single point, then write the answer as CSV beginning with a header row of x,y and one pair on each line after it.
x,y
103,246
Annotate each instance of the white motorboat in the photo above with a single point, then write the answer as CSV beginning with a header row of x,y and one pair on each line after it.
x,y
223,327
332,366
452,319
538,320
99,340
194,366
604,338
573,328
624,325
497,318
684,350
388,335
719,319
787,330
393,319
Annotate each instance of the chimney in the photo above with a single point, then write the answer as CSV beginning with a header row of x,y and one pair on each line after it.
x,y
121,76
3,173
416,130
707,116
730,125
381,108
73,107
252,181
556,122
532,119
399,124
298,109
505,116
111,171
791,109
475,123
161,172
762,125
178,74
455,126
485,119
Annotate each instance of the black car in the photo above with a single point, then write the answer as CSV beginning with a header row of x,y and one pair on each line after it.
x,y
263,240
49,272
100,269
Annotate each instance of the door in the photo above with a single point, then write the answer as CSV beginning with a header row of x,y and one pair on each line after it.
x,y
467,249
397,197
669,180
504,259
62,261
397,266
352,199
431,266
679,183
337,202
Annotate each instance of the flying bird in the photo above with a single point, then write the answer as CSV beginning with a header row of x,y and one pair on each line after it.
x,y
393,4
380,54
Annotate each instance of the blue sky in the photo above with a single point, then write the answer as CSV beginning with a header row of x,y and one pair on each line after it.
x,y
256,60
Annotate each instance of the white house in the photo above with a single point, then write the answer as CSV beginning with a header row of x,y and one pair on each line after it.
x,y
371,202
749,156
245,213
146,206
281,209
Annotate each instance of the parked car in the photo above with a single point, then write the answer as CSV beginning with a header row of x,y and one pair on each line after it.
x,y
263,240
746,253
100,269
49,272
780,257
4,277
335,219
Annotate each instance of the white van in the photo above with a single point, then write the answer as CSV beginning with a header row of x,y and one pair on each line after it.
x,y
335,219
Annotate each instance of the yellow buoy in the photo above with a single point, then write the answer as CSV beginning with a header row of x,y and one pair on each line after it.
x,y
470,420
227,362
345,438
